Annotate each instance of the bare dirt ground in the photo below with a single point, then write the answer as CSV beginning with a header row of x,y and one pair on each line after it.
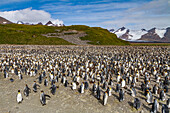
x,y
66,100
71,36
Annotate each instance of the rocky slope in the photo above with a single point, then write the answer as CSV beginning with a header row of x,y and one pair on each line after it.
x,y
4,21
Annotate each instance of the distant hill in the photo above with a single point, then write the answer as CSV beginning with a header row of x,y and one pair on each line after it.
x,y
50,35
4,21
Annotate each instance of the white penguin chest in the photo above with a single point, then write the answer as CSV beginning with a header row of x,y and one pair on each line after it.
x,y
74,86
19,97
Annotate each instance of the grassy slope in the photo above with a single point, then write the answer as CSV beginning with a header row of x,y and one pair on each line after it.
x,y
97,35
22,34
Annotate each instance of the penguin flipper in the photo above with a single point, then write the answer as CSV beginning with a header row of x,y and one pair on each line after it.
x,y
150,103
47,96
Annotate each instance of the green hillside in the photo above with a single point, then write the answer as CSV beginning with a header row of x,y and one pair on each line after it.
x,y
32,35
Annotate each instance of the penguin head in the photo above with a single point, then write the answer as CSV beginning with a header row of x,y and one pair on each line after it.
x,y
19,92
164,90
147,90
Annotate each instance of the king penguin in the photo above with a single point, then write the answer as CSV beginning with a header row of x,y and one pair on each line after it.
x,y
27,90
142,86
19,97
105,98
66,83
121,95
168,102
133,92
73,86
45,82
86,85
123,83
155,106
53,89
162,95
94,88
109,91
165,108
40,79
118,87
35,86
149,97
20,76
136,103
98,91
43,98
82,88
155,89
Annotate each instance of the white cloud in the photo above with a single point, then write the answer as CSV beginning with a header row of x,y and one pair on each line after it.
x,y
133,15
152,14
29,16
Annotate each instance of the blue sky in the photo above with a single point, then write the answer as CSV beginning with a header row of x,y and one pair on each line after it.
x,y
134,14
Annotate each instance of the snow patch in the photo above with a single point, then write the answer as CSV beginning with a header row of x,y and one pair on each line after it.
x,y
135,34
120,33
160,32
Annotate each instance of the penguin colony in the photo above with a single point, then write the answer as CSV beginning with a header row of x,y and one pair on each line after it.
x,y
105,71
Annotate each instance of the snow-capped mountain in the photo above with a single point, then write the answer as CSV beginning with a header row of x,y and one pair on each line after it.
x,y
153,34
127,34
49,23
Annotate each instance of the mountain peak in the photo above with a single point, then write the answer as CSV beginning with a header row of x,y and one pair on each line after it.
x,y
152,30
39,23
49,23
123,28
143,29
111,30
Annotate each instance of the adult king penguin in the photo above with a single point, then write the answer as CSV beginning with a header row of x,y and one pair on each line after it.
x,y
35,86
121,95
43,98
27,90
155,106
105,98
82,88
136,103
19,97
